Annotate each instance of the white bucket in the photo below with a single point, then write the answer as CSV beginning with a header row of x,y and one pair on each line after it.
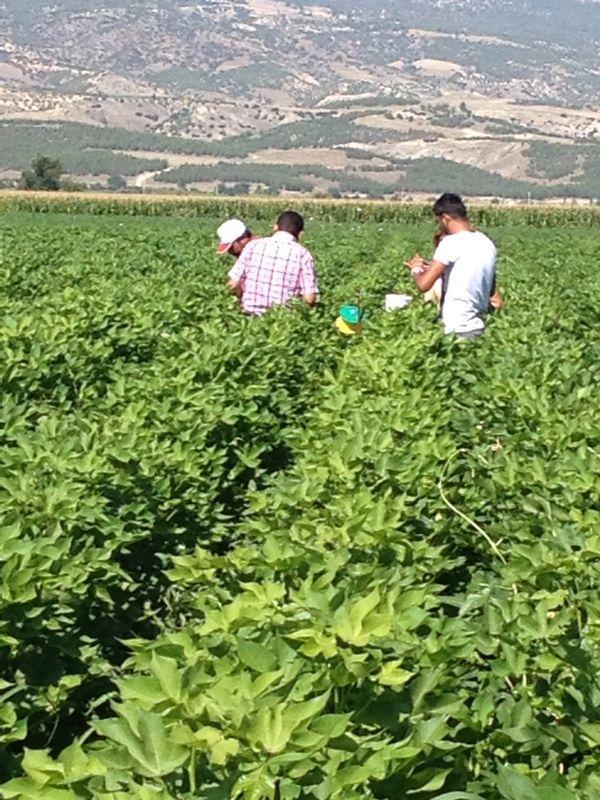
x,y
395,301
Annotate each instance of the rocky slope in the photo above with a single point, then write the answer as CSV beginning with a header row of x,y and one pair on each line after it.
x,y
418,75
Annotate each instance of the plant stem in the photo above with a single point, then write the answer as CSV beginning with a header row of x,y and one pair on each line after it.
x,y
192,772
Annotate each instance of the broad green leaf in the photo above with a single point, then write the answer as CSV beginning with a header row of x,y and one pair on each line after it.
x,y
23,789
392,674
351,619
273,726
79,765
432,784
223,750
331,725
38,765
143,689
302,712
591,730
169,677
219,748
425,683
256,656
458,796
149,744
514,786
271,730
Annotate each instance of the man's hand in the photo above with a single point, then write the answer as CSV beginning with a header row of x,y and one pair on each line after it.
x,y
496,300
309,298
426,277
416,263
237,287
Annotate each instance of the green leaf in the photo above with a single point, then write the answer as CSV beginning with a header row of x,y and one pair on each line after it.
x,y
23,789
223,750
143,689
78,765
147,742
302,712
432,784
256,656
270,730
38,765
169,677
459,796
210,739
331,725
514,786
273,727
591,731
392,674
425,683
350,620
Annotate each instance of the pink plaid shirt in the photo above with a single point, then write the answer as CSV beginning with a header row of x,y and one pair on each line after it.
x,y
273,271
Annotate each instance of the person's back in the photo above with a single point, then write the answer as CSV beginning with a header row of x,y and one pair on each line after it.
x,y
274,270
468,281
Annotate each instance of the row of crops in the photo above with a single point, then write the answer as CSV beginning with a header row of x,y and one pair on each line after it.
x,y
251,559
266,210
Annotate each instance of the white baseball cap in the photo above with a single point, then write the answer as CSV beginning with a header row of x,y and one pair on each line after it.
x,y
229,232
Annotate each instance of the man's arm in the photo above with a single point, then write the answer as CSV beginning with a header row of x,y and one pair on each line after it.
x,y
308,280
235,282
425,275
236,287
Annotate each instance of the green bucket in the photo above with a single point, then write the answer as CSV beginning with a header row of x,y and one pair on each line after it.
x,y
351,314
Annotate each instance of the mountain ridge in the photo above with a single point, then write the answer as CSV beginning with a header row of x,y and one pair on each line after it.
x,y
230,72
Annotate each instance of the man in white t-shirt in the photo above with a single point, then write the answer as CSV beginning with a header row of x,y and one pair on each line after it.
x,y
465,260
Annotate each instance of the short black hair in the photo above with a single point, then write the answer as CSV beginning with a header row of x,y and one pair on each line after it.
x,y
291,222
450,204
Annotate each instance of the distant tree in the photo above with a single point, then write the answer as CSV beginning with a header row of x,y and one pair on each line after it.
x,y
45,174
116,183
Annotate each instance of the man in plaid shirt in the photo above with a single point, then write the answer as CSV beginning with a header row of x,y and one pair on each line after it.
x,y
272,271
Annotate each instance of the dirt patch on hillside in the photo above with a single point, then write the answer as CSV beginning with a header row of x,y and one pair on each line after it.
x,y
565,122
403,120
335,159
387,177
463,37
271,8
438,69
349,72
12,74
505,158
172,159
234,63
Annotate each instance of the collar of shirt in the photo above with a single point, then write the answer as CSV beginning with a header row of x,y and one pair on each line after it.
x,y
283,236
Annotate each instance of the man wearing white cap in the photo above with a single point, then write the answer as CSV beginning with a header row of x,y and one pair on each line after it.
x,y
233,235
